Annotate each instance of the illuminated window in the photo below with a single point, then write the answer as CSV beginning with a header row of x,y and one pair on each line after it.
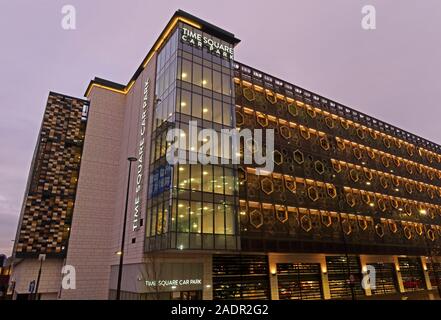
x,y
218,180
208,218
207,177
187,72
217,82
227,115
217,111
196,217
207,109
197,74
196,106
226,84
229,181
229,220
196,178
219,220
185,103
183,216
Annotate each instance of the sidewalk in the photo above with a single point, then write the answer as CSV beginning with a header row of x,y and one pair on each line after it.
x,y
417,295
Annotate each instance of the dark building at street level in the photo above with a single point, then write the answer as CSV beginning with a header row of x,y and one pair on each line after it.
x,y
348,192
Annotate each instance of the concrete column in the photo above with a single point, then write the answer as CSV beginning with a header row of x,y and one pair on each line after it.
x,y
274,284
398,275
207,291
426,273
325,282
364,272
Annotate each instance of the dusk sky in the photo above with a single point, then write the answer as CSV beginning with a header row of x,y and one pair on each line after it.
x,y
391,73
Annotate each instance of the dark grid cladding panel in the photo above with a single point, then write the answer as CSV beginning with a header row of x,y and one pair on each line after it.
x,y
299,281
240,278
329,162
434,273
339,276
50,197
385,278
412,274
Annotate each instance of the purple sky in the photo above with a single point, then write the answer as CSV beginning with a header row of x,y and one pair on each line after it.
x,y
392,73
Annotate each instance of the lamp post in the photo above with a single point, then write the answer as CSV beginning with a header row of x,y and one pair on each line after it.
x,y
41,258
121,252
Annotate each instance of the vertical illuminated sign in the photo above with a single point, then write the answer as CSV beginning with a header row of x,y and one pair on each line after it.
x,y
141,156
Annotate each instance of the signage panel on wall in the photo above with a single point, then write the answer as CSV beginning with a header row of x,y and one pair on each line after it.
x,y
141,156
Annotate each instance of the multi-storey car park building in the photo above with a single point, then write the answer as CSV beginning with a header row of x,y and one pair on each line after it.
x,y
348,192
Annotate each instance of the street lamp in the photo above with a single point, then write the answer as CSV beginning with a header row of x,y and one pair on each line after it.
x,y
121,252
41,258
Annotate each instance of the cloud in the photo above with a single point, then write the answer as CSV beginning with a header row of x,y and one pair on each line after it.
x,y
8,227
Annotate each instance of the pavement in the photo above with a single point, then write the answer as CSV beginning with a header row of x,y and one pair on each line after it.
x,y
416,295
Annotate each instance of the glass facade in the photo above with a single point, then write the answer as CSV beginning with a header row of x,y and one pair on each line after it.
x,y
192,205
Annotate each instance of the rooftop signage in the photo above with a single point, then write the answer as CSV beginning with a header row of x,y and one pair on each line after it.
x,y
200,41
